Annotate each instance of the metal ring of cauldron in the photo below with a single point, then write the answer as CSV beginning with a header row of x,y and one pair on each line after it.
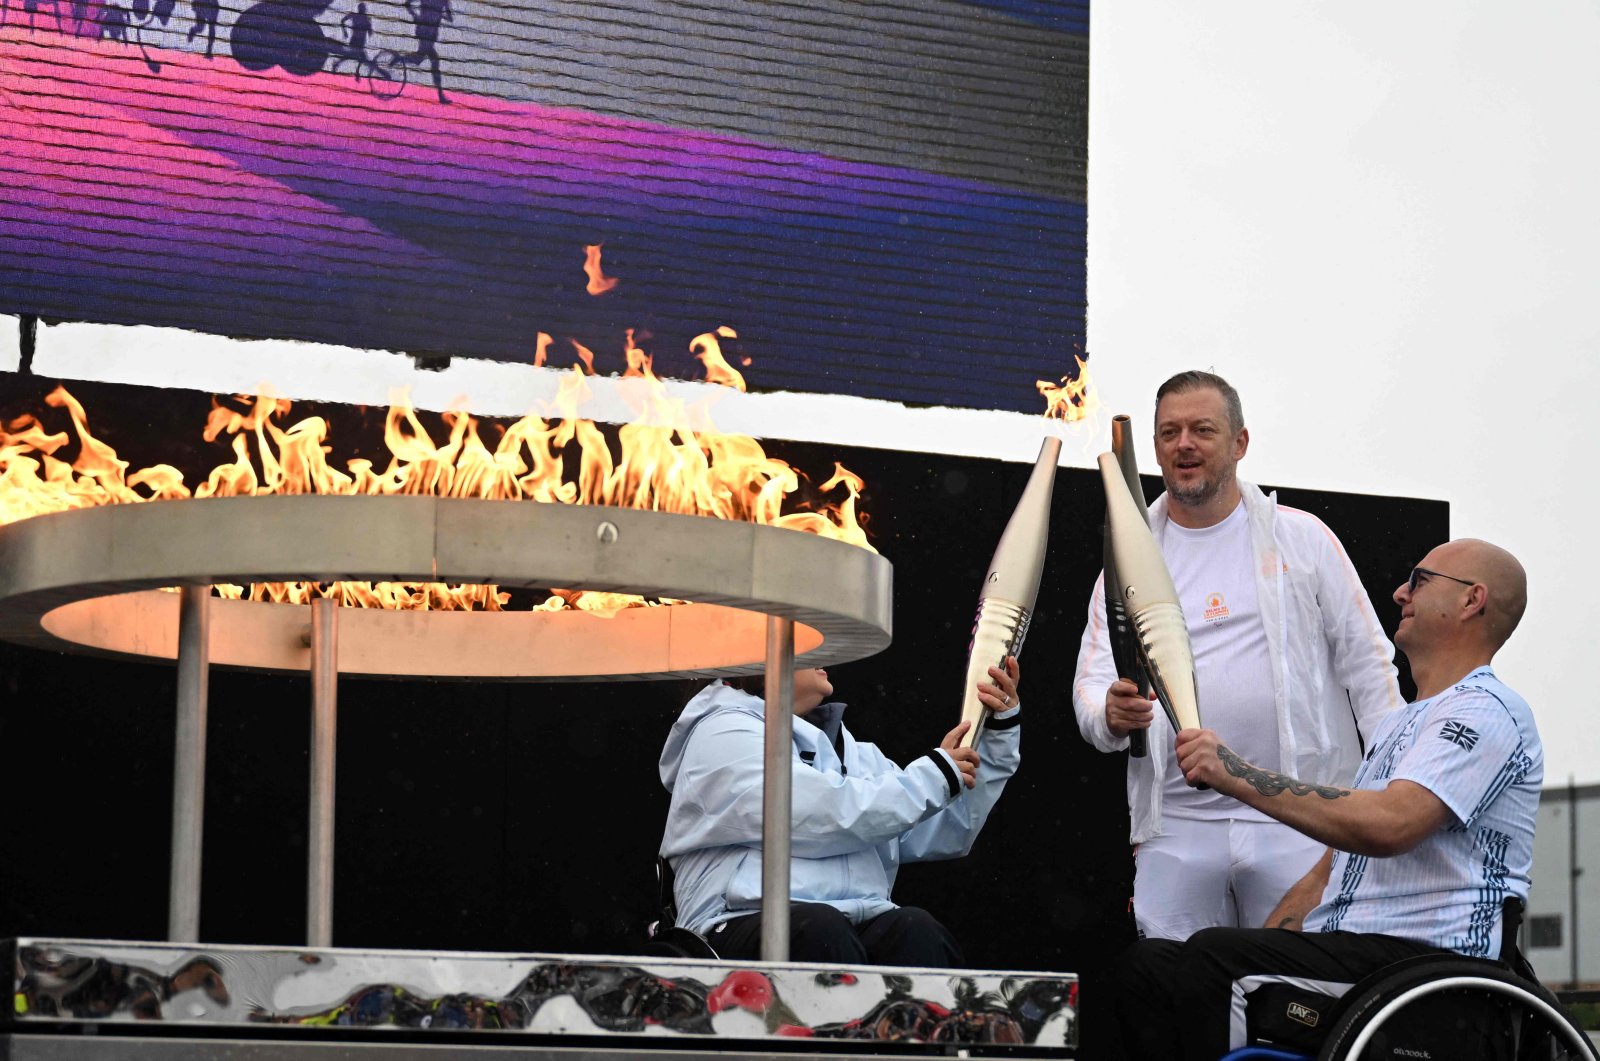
x,y
90,580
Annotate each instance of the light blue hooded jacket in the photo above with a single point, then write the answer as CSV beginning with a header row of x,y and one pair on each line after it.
x,y
857,815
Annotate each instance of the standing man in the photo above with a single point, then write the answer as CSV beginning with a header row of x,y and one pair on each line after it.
x,y
1433,837
1290,662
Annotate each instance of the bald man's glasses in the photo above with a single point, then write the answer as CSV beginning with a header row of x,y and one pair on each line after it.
x,y
1420,573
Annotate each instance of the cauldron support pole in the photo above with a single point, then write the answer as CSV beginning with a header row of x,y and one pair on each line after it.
x,y
189,763
777,795
324,734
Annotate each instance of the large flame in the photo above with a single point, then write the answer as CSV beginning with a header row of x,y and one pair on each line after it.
x,y
669,459
599,283
708,349
1072,398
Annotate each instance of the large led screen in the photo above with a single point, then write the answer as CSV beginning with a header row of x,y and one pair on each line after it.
x,y
881,199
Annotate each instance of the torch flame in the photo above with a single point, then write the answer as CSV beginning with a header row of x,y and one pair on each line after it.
x,y
1071,399
667,460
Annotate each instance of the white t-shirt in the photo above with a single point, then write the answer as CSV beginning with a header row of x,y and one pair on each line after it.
x,y
1213,569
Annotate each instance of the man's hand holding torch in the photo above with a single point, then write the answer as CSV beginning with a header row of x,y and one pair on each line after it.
x,y
1200,755
1126,710
997,694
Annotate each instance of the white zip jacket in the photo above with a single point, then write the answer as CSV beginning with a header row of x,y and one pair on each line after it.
x,y
857,815
1333,674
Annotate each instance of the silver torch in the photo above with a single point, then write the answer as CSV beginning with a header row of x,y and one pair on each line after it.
x,y
1005,603
1124,645
1151,602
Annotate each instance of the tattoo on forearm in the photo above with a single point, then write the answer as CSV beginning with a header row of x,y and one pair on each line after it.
x,y
1286,921
1270,782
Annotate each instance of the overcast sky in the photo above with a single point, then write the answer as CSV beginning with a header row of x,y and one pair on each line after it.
x,y
1379,221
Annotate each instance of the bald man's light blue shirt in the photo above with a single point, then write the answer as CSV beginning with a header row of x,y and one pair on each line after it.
x,y
1475,747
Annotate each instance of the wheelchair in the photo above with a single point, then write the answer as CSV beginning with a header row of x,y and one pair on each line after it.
x,y
665,938
1434,1006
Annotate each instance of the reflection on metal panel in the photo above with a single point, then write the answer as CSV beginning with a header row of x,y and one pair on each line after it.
x,y
247,988
161,1048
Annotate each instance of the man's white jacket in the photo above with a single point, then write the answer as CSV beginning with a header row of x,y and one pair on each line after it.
x,y
1333,675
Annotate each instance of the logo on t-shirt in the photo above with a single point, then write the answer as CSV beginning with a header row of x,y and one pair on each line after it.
x,y
1216,608
1461,734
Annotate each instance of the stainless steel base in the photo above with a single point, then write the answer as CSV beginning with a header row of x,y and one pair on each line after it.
x,y
333,999
130,1048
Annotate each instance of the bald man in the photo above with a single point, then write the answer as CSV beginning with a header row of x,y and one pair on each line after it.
x,y
1435,834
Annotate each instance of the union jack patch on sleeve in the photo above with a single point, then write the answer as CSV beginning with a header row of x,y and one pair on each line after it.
x,y
1461,734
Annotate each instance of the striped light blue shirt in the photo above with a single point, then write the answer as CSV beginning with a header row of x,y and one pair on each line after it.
x,y
1475,747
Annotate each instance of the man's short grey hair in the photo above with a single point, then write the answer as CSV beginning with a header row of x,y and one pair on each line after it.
x,y
1194,380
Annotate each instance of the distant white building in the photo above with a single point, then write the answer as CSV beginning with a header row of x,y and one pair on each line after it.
x,y
1561,933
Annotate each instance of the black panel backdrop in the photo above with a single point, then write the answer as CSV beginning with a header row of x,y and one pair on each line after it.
x,y
526,817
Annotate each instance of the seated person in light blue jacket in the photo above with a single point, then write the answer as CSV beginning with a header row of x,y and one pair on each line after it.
x,y
857,816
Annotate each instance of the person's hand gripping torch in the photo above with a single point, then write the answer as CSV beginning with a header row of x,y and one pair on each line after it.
x,y
1011,587
1124,645
1151,602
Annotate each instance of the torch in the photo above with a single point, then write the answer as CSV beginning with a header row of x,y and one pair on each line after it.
x,y
1150,601
1005,603
1124,645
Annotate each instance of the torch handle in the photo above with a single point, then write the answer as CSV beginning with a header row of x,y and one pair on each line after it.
x,y
1139,739
997,632
1122,447
1152,676
1125,653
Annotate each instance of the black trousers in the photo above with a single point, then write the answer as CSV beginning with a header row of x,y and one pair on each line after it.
x,y
1186,1000
819,933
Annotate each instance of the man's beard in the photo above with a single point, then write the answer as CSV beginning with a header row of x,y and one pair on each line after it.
x,y
1196,494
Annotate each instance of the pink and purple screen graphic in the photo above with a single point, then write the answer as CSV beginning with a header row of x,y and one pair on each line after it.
x,y
882,200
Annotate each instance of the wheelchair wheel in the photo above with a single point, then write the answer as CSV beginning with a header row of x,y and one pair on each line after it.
x,y
1455,1008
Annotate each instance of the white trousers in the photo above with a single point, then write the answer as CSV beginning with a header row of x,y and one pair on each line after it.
x,y
1217,872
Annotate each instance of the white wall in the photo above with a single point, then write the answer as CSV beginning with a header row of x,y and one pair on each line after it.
x,y
1379,221
1554,853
